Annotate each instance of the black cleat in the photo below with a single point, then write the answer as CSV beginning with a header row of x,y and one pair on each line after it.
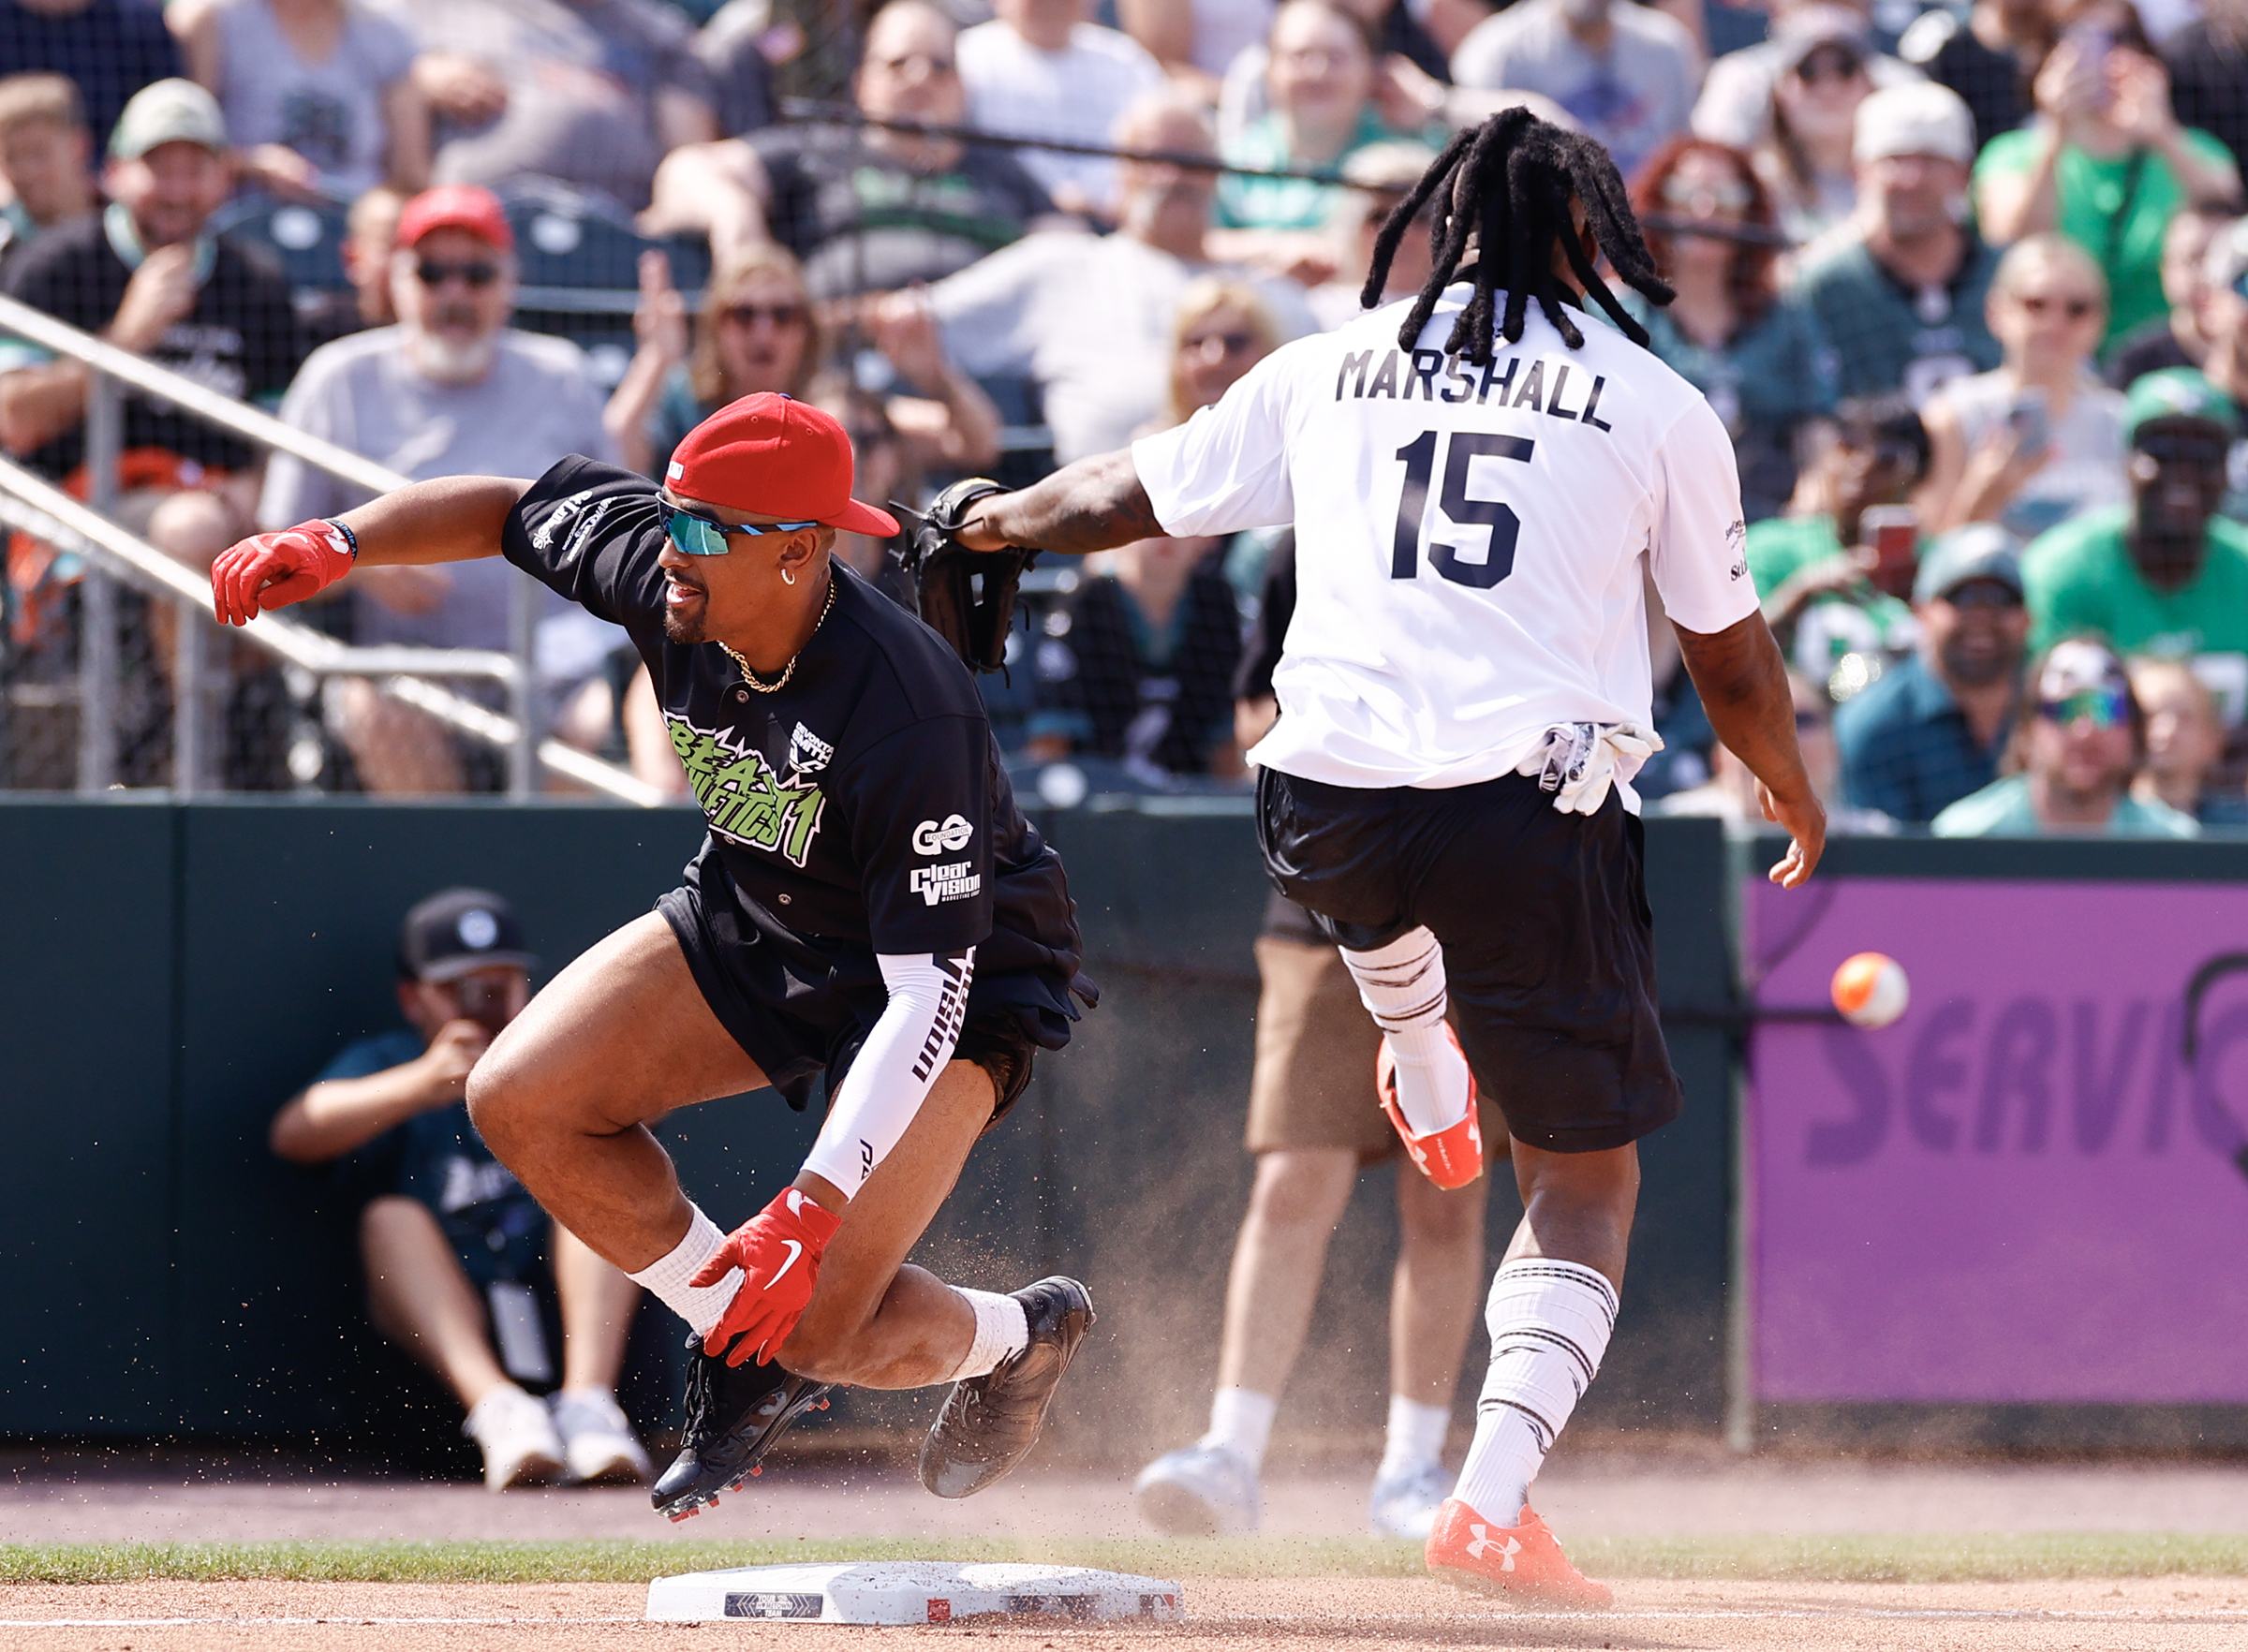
x,y
733,1415
990,1422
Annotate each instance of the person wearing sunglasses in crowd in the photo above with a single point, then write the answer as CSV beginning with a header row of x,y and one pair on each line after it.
x,y
2038,439
1730,333
1805,158
870,908
2165,573
759,330
1930,730
2080,737
450,391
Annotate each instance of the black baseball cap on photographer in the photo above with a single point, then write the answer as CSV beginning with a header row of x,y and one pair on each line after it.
x,y
457,930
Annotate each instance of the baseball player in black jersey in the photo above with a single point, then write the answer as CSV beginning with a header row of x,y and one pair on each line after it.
x,y
869,904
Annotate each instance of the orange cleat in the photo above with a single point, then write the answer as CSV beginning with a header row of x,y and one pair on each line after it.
x,y
1453,1157
1519,1563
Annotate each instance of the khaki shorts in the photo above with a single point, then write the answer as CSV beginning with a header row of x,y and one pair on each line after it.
x,y
1313,1086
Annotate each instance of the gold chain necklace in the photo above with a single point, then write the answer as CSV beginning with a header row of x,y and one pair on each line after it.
x,y
781,682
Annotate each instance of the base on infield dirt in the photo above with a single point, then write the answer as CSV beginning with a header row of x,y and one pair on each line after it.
x,y
911,1591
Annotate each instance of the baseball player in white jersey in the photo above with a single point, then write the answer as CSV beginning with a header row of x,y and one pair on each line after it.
x,y
1480,483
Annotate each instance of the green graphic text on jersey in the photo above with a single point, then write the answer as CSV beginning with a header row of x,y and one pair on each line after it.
x,y
744,800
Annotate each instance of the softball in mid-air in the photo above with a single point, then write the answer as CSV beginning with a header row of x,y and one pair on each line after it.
x,y
1871,990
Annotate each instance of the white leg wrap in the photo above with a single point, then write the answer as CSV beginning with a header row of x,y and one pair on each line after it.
x,y
1402,987
667,1277
1002,1330
1549,1325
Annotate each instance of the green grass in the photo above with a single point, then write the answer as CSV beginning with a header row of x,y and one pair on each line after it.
x,y
1839,1559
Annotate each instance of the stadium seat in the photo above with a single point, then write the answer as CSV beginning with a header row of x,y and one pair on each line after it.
x,y
578,259
306,237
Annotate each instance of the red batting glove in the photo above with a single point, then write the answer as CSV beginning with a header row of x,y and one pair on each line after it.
x,y
274,570
778,1252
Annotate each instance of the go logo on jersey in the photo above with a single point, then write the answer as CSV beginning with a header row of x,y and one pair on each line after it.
x,y
947,837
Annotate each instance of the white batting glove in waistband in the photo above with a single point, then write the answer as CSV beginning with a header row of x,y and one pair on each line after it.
x,y
1577,762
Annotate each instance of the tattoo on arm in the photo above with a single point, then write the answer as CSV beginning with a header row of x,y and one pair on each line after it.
x,y
1090,505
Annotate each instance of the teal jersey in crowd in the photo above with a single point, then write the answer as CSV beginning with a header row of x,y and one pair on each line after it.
x,y
1886,336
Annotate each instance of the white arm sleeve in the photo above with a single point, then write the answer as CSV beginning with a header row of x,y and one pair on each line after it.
x,y
897,1066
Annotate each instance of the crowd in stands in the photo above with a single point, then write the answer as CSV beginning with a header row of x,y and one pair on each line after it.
x,y
1968,283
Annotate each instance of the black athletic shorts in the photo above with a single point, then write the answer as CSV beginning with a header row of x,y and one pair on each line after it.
x,y
1548,943
797,1026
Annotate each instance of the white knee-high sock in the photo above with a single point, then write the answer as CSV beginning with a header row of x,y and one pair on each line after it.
x,y
667,1277
1402,987
1002,1330
1549,1325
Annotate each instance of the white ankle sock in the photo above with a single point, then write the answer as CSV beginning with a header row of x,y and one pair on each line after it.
x,y
1241,1422
1549,1325
1402,986
700,1305
1001,1329
1415,1439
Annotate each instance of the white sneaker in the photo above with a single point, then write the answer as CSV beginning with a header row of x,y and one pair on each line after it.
x,y
521,1447
598,1446
1405,1505
1199,1491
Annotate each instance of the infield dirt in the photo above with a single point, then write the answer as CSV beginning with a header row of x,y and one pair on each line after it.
x,y
2186,1613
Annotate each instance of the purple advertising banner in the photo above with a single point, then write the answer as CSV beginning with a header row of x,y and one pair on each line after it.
x,y
2018,1192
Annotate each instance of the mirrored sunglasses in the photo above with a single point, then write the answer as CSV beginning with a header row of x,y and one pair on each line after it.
x,y
2107,708
696,535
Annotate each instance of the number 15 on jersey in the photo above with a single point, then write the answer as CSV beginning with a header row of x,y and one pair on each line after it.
x,y
1463,508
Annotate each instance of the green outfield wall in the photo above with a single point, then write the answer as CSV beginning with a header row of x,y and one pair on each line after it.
x,y
169,974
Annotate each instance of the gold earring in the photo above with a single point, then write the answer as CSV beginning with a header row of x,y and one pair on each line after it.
x,y
787,578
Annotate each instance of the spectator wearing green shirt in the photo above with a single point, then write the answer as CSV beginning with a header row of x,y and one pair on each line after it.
x,y
2081,737
1899,295
1321,78
2106,162
1824,595
2166,574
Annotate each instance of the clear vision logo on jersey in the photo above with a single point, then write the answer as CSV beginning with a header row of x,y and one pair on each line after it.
x,y
744,800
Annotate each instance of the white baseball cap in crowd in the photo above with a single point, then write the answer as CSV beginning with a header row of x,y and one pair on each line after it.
x,y
1921,118
168,112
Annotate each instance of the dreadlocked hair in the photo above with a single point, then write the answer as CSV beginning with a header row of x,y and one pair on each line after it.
x,y
1504,188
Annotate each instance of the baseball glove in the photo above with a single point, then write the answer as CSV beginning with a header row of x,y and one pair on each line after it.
x,y
965,596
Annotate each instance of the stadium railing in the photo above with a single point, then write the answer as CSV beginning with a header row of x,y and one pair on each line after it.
x,y
34,505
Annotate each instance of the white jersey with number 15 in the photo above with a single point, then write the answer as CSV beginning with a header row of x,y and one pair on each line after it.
x,y
1469,540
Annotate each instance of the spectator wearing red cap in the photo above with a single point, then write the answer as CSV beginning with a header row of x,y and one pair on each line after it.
x,y
451,389
870,902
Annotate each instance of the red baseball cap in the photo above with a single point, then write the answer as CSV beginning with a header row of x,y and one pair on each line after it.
x,y
456,206
775,456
